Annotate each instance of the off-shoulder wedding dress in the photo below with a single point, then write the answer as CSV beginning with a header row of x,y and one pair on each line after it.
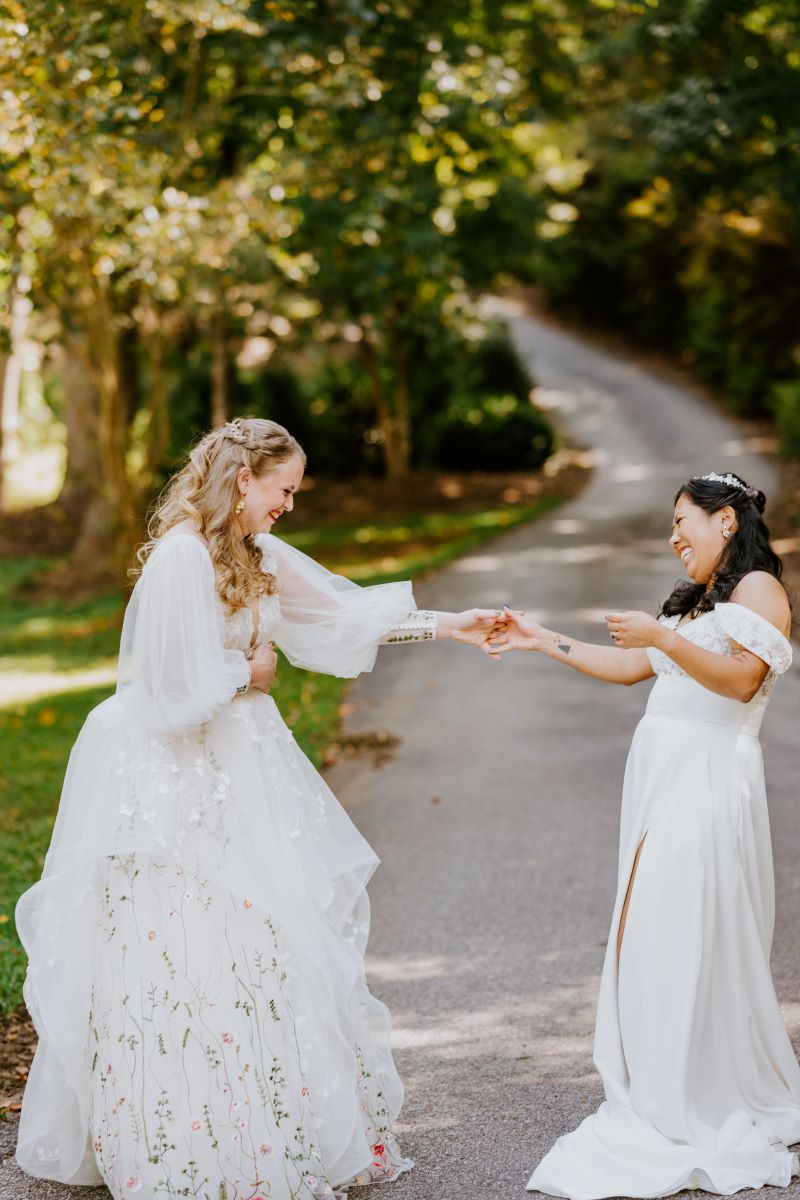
x,y
702,1086
196,941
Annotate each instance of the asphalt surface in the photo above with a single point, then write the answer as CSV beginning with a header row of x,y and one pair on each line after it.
x,y
497,818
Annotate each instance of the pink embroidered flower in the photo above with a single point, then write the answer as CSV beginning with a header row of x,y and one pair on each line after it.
x,y
151,937
378,1149
195,1125
133,1183
303,1091
227,1038
97,1147
247,904
265,1149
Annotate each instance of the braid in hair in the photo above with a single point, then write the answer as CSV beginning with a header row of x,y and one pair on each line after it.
x,y
205,491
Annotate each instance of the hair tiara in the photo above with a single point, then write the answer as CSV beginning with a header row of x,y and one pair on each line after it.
x,y
729,481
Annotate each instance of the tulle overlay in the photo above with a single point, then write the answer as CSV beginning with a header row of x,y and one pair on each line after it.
x,y
196,941
702,1086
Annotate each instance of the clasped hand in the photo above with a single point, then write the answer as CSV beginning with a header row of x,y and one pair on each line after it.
x,y
479,627
263,664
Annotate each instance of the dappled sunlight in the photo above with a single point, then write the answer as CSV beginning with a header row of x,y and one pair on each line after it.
x,y
549,1030
388,970
511,564
631,472
750,445
568,526
557,400
18,687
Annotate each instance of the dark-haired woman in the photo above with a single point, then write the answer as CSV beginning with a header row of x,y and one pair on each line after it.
x,y
702,1087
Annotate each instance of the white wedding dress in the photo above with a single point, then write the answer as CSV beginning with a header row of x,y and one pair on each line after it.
x,y
702,1087
196,941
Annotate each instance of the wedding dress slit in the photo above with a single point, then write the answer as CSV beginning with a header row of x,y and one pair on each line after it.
x,y
702,1086
626,902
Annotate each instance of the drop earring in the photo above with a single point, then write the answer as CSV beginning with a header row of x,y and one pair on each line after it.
x,y
726,533
239,506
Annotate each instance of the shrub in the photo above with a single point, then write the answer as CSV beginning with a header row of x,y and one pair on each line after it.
x,y
786,407
471,408
495,433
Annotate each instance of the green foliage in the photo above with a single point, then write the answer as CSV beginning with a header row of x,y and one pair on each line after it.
x,y
326,402
299,181
786,406
668,184
497,433
182,177
488,422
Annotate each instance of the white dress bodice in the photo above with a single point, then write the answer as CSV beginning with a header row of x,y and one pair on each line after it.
x,y
721,630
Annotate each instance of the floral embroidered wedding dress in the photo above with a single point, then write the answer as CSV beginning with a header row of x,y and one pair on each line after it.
x,y
196,941
702,1086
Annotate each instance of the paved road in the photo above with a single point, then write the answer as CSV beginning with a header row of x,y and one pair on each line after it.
x,y
497,819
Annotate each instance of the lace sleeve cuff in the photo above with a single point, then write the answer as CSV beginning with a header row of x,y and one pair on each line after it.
x,y
418,626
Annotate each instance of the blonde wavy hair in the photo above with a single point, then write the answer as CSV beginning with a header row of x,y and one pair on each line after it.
x,y
206,491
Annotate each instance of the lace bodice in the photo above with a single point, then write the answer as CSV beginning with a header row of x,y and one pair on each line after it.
x,y
238,631
720,630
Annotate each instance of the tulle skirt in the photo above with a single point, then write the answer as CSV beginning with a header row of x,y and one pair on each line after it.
x,y
196,972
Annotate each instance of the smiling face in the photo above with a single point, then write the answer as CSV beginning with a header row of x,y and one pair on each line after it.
x,y
267,497
698,538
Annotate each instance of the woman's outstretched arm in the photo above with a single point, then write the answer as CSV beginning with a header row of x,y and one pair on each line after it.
x,y
473,626
609,663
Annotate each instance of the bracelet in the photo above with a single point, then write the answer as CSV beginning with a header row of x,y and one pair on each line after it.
x,y
245,687
418,626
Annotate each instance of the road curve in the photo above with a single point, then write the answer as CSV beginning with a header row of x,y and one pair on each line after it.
x,y
497,819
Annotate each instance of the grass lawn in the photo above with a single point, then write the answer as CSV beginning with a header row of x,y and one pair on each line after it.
x,y
57,663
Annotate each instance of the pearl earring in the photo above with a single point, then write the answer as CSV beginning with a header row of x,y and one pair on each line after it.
x,y
726,533
239,505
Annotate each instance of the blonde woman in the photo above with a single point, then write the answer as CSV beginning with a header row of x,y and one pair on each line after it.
x,y
196,941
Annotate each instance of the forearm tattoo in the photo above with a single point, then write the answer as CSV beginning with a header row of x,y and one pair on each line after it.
x,y
562,644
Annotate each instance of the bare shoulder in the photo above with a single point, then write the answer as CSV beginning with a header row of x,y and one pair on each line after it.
x,y
766,595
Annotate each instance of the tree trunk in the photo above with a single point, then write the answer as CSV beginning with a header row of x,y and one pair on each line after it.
x,y
10,380
392,413
401,425
219,370
81,403
156,403
110,527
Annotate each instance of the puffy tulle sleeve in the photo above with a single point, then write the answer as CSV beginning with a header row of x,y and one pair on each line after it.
x,y
328,623
174,670
756,634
